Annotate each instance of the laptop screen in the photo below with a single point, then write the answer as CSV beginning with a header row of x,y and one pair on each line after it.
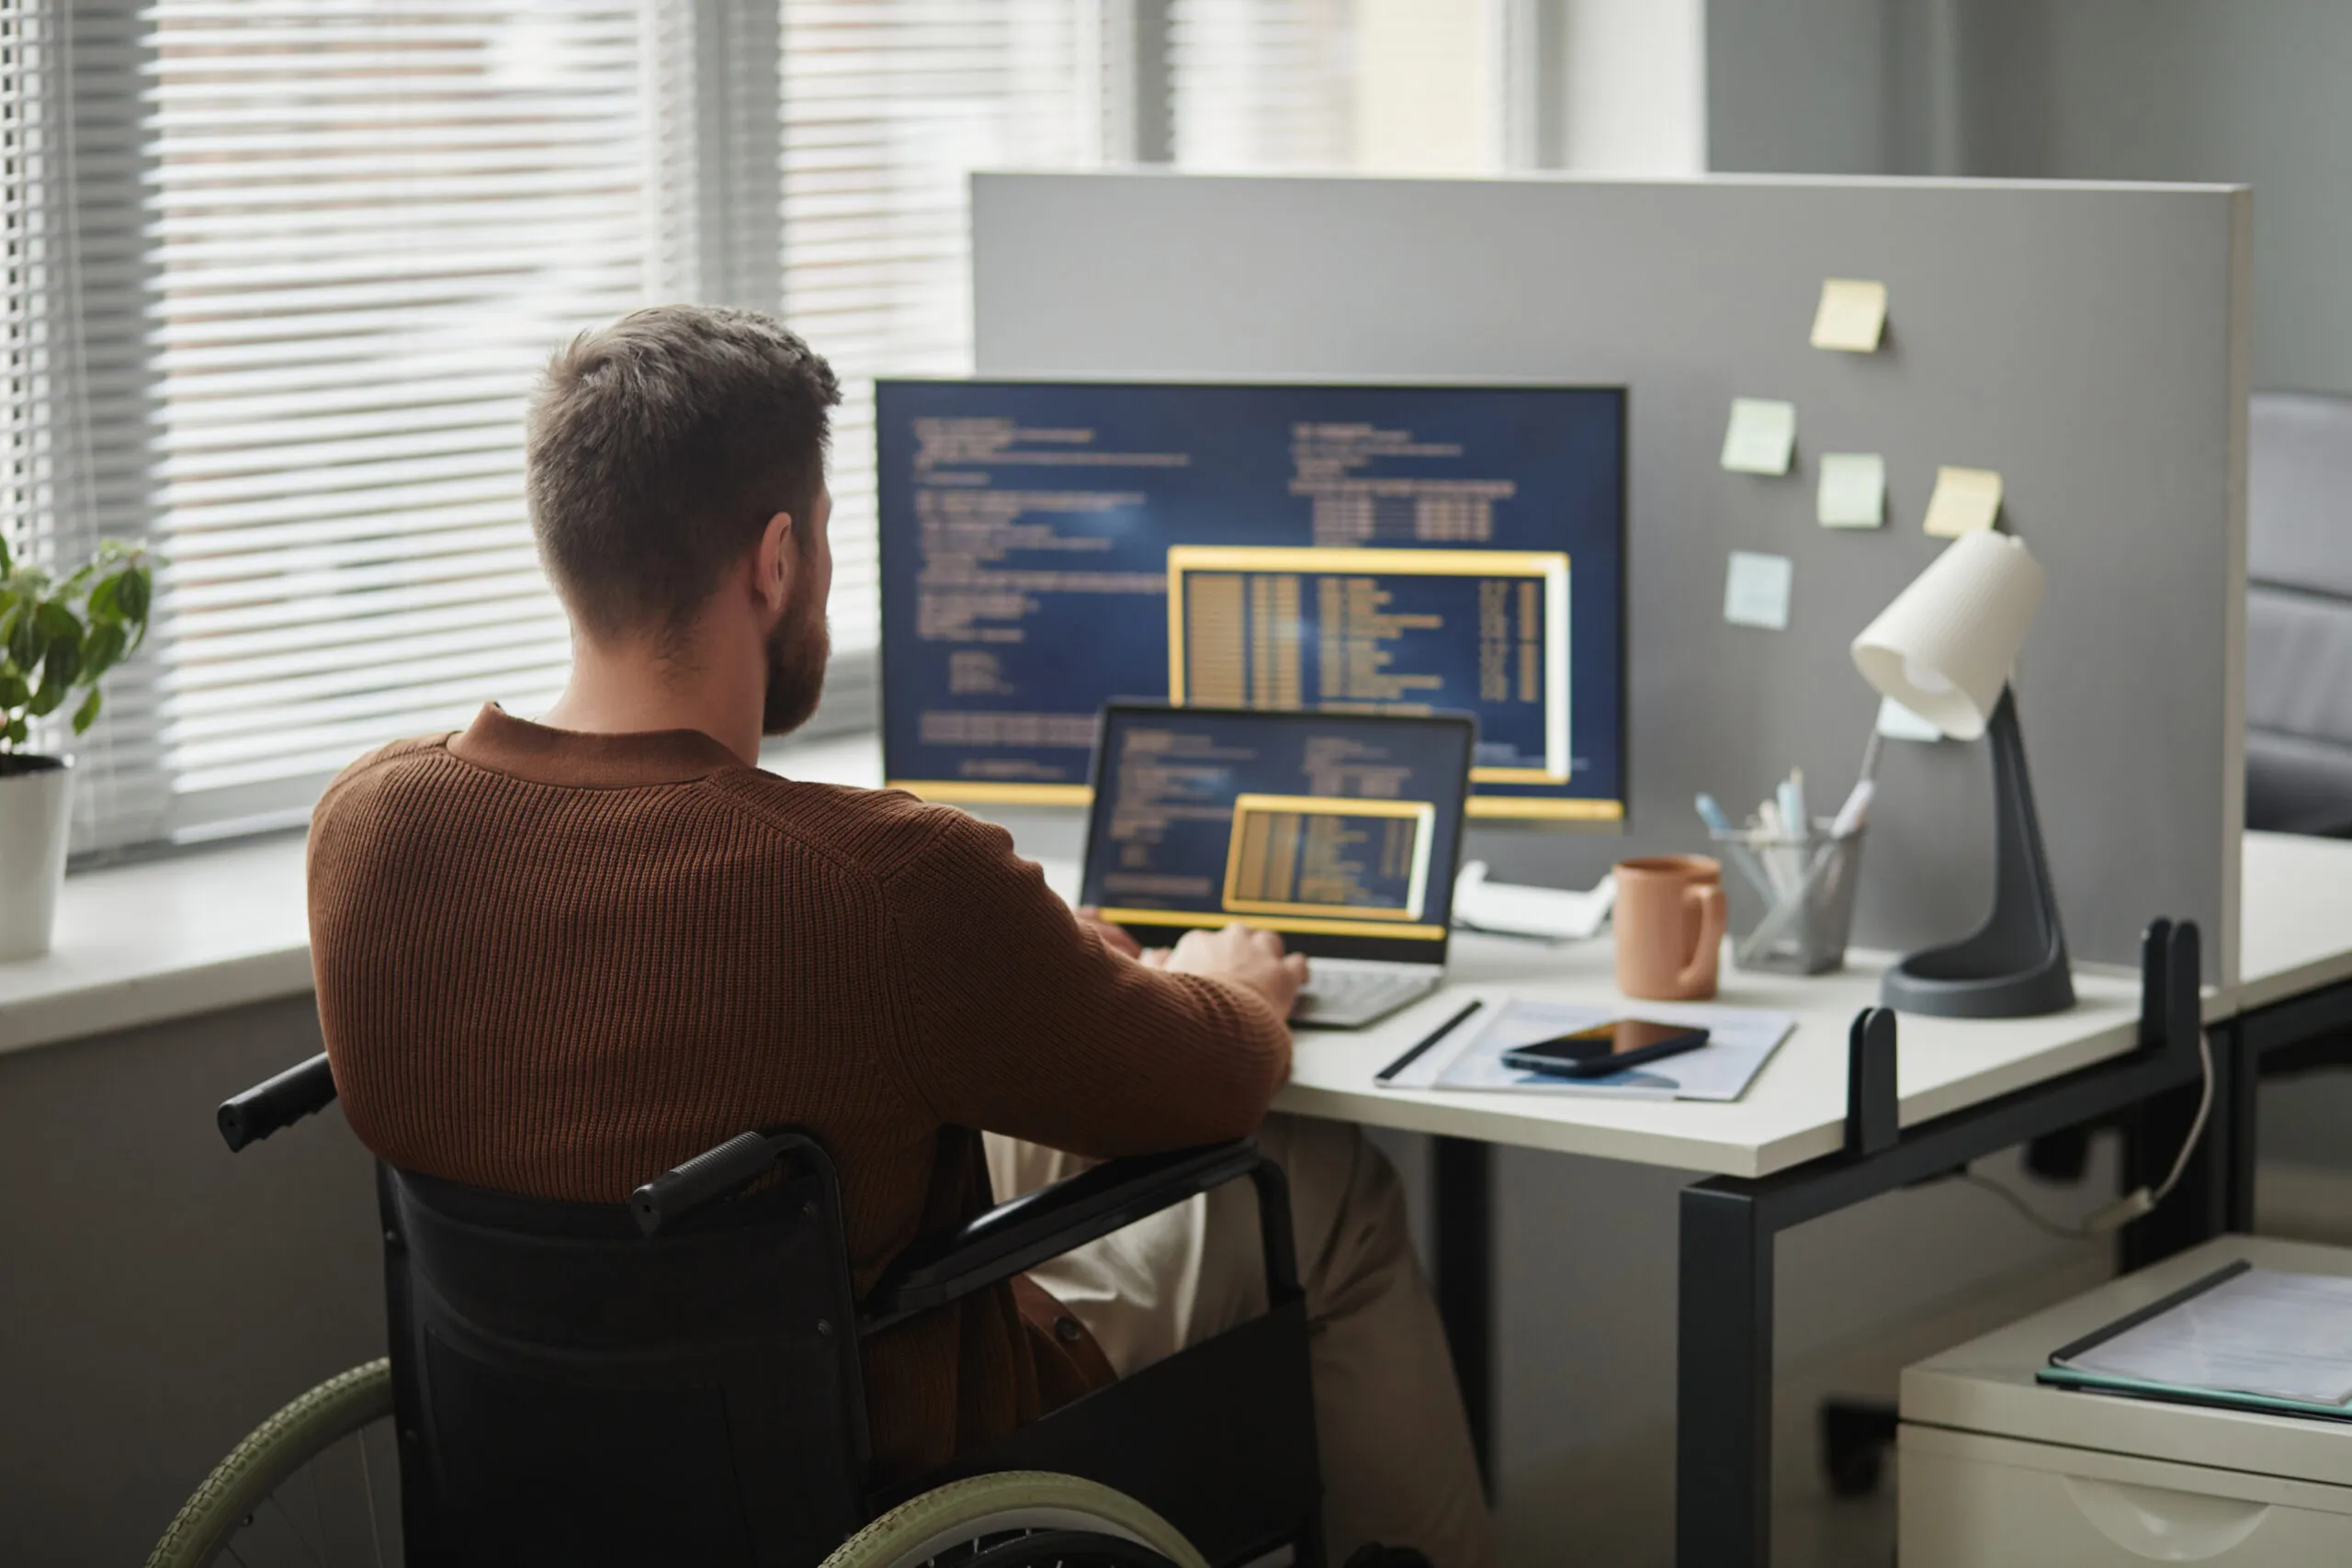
x,y
1341,830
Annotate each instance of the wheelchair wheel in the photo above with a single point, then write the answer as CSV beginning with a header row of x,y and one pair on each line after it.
x,y
316,1483
1019,1518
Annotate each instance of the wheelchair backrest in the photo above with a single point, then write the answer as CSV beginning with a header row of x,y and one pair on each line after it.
x,y
571,1392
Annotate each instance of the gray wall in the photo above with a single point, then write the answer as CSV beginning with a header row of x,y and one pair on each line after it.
x,y
160,1296
2081,341
2250,91
1842,116
2239,91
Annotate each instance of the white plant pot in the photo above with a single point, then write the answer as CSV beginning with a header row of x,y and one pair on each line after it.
x,y
36,814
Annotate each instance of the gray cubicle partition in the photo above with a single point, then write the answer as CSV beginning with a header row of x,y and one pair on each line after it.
x,y
2086,341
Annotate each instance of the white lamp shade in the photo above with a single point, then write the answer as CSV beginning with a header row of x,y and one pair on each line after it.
x,y
1945,647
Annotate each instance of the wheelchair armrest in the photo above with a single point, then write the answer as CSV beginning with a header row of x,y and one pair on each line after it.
x,y
1026,1232
276,1103
718,1172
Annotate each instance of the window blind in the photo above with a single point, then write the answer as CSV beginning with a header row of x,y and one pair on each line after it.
x,y
888,107
72,423
1262,84
367,224
280,307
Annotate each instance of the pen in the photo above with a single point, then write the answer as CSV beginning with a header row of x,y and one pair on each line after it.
x,y
1793,819
1728,836
1434,1035
1713,815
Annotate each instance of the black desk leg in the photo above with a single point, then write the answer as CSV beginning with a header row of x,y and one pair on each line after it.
x,y
1722,1394
1462,1174
2152,1138
2242,1072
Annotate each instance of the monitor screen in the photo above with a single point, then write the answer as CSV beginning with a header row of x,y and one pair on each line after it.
x,y
1341,830
1047,546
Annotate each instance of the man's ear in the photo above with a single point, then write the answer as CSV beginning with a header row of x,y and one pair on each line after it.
x,y
772,564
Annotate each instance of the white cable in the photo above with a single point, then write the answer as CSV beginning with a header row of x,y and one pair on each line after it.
x,y
2196,1127
2026,1212
2132,1205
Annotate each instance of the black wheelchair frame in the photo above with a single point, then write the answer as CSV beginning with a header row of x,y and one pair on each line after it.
x,y
679,1379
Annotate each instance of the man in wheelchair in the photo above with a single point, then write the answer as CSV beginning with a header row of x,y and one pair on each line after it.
x,y
553,957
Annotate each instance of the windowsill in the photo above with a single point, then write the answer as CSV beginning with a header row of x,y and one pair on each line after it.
x,y
149,942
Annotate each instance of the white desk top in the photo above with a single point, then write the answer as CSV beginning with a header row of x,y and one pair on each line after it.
x,y
2295,917
1795,1111
145,944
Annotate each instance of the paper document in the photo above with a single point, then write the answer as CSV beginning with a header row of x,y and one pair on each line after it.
x,y
1760,436
2262,1332
1756,590
1851,315
1966,502
1853,490
1552,913
1738,1043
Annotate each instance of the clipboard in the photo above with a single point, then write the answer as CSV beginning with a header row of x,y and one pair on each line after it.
x,y
2057,1375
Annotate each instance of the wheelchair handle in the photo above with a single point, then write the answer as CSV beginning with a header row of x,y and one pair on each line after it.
x,y
276,1103
1027,1230
714,1173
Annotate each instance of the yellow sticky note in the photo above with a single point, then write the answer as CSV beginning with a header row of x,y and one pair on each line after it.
x,y
1851,315
1966,502
1760,436
1853,490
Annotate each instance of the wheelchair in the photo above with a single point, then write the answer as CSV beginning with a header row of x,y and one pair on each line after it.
x,y
676,1382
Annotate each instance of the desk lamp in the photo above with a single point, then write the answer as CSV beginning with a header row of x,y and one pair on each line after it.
x,y
1944,650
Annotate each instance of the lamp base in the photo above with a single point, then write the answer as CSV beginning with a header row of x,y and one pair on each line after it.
x,y
1944,982
2015,965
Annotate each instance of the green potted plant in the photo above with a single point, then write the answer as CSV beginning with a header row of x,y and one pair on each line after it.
x,y
57,636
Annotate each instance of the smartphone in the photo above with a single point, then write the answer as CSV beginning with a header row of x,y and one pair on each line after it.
x,y
1605,1048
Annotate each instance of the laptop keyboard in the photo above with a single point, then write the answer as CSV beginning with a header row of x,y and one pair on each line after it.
x,y
1334,991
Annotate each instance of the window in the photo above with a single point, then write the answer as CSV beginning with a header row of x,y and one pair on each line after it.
x,y
367,225
282,308
888,107
1393,86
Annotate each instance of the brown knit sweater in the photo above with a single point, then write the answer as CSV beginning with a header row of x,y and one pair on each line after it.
x,y
556,964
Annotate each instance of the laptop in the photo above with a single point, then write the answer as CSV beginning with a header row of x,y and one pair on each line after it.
x,y
1339,830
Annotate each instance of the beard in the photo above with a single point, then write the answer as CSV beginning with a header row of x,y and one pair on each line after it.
x,y
797,650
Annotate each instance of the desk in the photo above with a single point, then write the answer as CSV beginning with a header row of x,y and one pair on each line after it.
x,y
141,944
1795,1111
1785,1154
2294,998
1788,1151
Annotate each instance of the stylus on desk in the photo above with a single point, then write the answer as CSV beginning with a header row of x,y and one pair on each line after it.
x,y
1440,1033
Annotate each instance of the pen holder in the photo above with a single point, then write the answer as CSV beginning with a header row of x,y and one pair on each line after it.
x,y
1808,888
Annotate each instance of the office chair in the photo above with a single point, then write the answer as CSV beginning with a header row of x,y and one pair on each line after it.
x,y
677,1381
2299,614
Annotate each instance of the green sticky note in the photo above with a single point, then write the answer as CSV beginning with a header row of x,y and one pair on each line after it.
x,y
1761,436
1853,490
1756,590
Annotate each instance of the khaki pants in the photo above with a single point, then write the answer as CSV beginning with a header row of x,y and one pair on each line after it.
x,y
1397,1466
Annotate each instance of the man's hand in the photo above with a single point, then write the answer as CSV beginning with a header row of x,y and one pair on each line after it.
x,y
1241,955
1115,938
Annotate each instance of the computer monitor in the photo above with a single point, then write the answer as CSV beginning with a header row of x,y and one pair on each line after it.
x,y
1342,830
1047,546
